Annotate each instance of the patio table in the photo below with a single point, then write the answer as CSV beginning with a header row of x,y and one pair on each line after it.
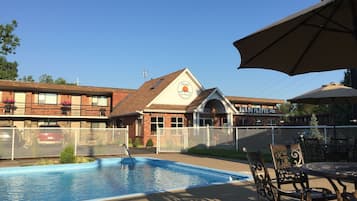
x,y
335,173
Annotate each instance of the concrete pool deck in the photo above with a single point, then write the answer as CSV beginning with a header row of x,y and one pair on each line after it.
x,y
243,191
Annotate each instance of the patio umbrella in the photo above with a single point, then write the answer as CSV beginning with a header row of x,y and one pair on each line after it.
x,y
320,38
328,94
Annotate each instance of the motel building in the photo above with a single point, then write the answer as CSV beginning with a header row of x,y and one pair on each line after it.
x,y
177,99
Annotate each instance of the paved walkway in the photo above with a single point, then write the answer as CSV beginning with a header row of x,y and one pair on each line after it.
x,y
243,191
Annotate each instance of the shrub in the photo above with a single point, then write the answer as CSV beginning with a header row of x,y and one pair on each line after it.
x,y
137,142
67,155
149,143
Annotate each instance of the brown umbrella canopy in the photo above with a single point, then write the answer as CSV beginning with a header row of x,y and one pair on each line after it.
x,y
328,94
320,38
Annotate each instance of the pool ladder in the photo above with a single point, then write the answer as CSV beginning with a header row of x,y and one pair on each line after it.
x,y
128,153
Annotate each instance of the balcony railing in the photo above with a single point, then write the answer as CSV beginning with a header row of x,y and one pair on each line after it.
x,y
53,109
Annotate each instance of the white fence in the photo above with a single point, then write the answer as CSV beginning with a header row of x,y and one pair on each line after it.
x,y
256,138
49,141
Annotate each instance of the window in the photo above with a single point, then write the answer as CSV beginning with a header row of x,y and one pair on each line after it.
x,y
176,122
205,122
47,98
99,101
156,122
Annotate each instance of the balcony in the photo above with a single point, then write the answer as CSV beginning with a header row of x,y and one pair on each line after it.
x,y
63,109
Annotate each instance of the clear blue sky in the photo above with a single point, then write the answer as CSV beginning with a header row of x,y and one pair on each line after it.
x,y
110,43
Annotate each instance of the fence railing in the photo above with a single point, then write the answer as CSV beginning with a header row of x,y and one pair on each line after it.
x,y
49,142
254,137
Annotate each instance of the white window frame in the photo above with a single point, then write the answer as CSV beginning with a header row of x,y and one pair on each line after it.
x,y
176,123
47,98
100,100
156,124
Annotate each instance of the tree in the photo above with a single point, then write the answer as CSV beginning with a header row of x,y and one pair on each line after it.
x,y
46,79
8,70
347,78
60,81
315,133
27,78
8,40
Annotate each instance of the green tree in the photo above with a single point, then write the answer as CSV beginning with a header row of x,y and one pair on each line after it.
x,y
27,78
60,81
45,78
347,78
8,40
314,131
8,70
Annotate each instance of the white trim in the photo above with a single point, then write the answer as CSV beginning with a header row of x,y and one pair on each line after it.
x,y
189,74
165,111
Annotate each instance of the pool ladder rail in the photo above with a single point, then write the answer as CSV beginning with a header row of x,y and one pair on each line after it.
x,y
127,152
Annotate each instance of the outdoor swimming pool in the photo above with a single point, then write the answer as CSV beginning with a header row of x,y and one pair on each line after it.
x,y
104,178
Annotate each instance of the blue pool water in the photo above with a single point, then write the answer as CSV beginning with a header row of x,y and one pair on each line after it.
x,y
105,178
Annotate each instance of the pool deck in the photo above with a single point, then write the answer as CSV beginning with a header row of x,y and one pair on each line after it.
x,y
244,191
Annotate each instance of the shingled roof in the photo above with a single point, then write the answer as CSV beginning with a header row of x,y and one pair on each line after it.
x,y
58,88
138,101
199,99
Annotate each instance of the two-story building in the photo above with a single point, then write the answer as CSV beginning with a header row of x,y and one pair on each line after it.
x,y
177,99
256,111
27,104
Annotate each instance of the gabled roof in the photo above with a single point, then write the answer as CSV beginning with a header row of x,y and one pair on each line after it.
x,y
138,101
199,99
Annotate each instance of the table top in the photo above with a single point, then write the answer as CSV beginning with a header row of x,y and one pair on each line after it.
x,y
346,171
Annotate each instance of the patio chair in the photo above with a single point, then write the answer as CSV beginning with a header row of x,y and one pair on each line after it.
x,y
348,197
288,160
265,188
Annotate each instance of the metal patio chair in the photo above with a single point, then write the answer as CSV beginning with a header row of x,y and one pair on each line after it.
x,y
265,188
288,160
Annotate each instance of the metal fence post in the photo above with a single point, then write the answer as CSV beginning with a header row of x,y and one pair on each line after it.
x,y
207,136
127,136
75,141
325,135
158,141
237,148
13,144
272,135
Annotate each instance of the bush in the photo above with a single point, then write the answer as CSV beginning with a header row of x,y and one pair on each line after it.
x,y
67,155
149,143
137,142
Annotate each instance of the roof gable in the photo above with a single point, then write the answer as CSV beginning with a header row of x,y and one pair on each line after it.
x,y
138,101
